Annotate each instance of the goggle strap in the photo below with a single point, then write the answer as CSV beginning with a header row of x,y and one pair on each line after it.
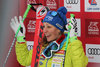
x,y
62,37
43,56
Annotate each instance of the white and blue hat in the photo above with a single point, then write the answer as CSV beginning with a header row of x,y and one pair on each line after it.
x,y
57,18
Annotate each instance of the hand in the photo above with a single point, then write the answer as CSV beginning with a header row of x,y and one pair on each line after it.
x,y
72,27
15,25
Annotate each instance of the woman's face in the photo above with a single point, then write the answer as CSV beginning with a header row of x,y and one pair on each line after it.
x,y
51,32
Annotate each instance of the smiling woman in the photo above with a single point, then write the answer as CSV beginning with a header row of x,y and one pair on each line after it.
x,y
53,52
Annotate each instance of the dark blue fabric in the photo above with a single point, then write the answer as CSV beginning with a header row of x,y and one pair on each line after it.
x,y
56,20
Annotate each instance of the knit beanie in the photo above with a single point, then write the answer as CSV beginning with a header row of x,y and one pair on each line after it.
x,y
57,18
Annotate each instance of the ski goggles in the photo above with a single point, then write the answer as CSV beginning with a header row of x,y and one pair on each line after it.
x,y
52,47
54,13
48,51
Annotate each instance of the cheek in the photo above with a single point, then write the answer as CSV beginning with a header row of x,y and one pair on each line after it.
x,y
55,33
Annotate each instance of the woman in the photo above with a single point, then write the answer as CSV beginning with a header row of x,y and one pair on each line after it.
x,y
53,53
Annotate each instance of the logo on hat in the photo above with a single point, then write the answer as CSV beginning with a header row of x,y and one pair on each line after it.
x,y
48,18
58,25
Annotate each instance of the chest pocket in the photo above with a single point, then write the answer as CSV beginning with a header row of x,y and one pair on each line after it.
x,y
56,61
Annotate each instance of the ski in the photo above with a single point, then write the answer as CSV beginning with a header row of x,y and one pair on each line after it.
x,y
40,14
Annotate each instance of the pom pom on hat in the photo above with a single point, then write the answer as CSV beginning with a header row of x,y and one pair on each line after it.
x,y
59,20
62,10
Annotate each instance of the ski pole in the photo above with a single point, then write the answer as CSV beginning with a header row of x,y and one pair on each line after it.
x,y
24,16
69,27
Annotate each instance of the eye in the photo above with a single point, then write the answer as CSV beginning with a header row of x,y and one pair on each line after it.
x,y
48,26
43,26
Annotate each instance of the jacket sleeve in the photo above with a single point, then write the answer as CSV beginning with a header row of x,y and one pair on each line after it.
x,y
24,56
78,57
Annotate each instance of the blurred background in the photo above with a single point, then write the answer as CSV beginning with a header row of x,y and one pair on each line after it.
x,y
8,9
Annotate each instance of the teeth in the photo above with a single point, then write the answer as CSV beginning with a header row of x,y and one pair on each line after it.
x,y
46,35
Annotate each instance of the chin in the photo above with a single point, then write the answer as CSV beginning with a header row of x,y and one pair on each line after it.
x,y
48,40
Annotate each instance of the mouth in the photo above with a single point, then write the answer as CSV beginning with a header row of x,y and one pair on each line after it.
x,y
47,36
